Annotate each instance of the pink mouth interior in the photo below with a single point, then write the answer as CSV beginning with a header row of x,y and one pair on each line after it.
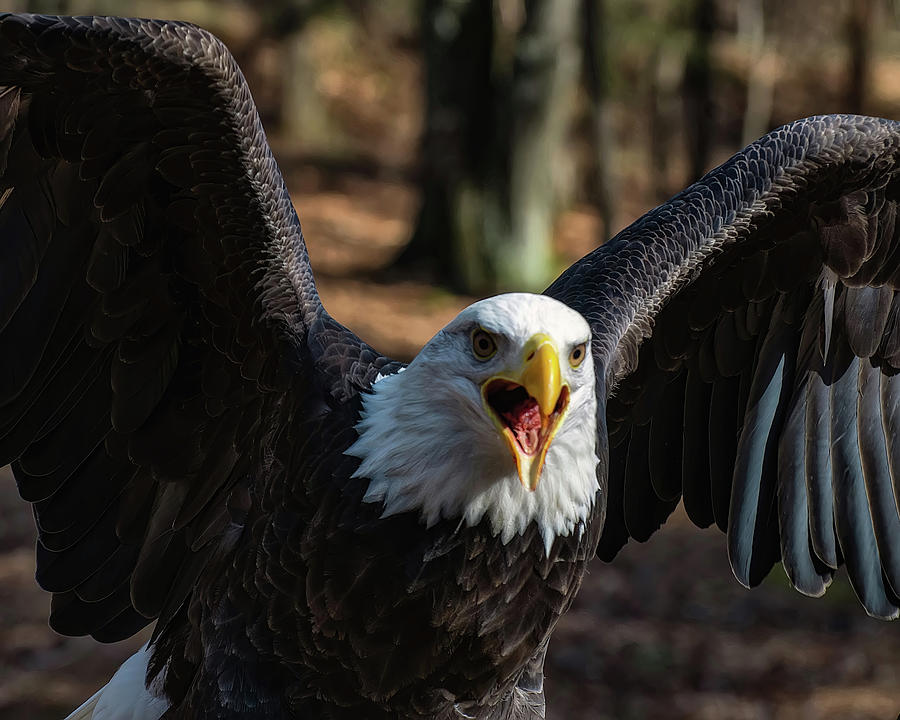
x,y
520,412
524,419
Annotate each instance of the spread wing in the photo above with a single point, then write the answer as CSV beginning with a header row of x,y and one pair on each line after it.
x,y
158,316
749,336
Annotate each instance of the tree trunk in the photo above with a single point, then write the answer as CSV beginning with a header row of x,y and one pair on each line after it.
x,y
523,205
699,109
305,116
497,110
457,38
859,41
760,73
666,66
596,51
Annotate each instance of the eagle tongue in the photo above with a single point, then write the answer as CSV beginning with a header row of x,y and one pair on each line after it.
x,y
524,419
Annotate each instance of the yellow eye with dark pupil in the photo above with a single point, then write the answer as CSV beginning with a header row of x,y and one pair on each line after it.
x,y
577,355
483,344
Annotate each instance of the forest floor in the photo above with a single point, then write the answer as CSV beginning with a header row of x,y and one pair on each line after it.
x,y
663,632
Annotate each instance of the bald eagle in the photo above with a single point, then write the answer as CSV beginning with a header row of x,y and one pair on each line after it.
x,y
320,532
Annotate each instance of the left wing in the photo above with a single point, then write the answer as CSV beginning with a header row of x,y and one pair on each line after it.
x,y
159,323
747,337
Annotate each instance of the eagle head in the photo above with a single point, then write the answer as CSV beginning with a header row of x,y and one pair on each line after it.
x,y
495,418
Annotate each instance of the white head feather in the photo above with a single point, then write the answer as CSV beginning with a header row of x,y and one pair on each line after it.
x,y
427,444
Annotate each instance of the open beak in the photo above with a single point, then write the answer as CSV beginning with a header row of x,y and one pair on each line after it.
x,y
527,405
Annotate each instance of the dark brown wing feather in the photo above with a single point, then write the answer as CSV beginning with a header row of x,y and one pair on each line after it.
x,y
765,300
158,315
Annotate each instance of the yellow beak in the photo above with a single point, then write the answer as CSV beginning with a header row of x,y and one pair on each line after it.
x,y
540,372
527,435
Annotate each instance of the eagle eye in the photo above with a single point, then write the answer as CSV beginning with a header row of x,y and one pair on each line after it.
x,y
576,357
483,344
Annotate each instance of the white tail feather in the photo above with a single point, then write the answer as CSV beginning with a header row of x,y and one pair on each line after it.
x,y
125,696
86,710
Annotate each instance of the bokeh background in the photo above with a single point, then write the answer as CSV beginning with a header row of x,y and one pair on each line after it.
x,y
439,150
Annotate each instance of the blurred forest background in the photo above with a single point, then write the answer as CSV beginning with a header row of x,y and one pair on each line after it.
x,y
439,150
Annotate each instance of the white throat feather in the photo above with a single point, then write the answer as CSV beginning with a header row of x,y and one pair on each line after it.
x,y
426,444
